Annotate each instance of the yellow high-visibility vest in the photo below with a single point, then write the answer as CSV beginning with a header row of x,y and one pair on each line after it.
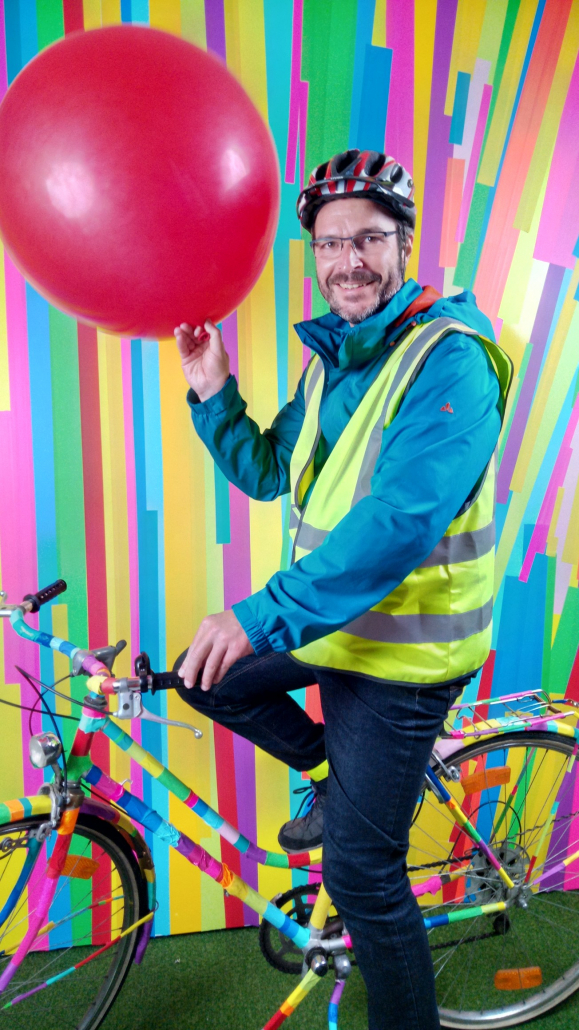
x,y
436,625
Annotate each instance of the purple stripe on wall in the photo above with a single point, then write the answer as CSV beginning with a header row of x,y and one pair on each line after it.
x,y
229,333
539,337
215,27
244,755
400,123
236,555
439,150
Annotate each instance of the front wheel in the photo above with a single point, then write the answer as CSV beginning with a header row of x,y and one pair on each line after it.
x,y
96,898
521,792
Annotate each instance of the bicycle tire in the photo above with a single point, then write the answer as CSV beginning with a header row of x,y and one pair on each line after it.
x,y
483,965
82,1000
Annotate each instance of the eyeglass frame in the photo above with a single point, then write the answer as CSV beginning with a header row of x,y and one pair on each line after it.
x,y
350,239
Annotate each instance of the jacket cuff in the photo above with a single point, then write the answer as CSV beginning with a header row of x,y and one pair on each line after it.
x,y
218,404
251,627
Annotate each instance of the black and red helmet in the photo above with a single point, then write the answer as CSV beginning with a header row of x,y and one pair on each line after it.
x,y
359,173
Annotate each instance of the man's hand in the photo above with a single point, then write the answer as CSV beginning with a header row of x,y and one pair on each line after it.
x,y
204,360
218,643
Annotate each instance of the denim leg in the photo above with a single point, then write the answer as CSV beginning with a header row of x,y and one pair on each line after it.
x,y
253,700
379,738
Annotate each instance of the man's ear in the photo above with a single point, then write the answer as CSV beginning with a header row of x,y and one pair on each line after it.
x,y
409,245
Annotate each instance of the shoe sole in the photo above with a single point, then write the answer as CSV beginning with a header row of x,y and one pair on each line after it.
x,y
300,851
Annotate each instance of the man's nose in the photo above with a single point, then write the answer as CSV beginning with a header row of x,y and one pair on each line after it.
x,y
349,258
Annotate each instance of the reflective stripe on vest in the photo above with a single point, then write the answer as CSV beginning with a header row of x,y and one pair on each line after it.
x,y
436,625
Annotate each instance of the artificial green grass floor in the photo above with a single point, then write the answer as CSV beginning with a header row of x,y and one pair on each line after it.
x,y
222,981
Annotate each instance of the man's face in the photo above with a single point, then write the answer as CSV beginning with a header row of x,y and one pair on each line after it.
x,y
355,286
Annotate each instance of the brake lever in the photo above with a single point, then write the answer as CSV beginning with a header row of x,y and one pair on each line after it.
x,y
131,707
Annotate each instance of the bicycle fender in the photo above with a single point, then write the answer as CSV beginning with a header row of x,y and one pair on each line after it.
x,y
445,747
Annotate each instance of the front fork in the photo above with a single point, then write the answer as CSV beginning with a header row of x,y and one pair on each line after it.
x,y
66,826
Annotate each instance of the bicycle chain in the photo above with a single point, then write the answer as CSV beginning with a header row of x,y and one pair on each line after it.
x,y
448,861
465,940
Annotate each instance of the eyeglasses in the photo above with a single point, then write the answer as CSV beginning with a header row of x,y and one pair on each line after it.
x,y
366,244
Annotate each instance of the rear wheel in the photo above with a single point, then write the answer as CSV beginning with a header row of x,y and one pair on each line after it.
x,y
96,898
521,792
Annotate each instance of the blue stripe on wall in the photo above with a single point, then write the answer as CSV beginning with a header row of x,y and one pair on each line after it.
x,y
373,106
364,28
459,109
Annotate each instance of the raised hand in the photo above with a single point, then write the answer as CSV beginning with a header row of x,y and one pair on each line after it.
x,y
204,360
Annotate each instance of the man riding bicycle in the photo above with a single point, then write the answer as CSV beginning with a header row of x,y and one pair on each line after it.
x,y
387,450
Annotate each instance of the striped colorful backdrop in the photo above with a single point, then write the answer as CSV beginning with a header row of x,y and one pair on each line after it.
x,y
103,480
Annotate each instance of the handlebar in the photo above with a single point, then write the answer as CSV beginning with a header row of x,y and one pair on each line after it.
x,y
46,594
91,662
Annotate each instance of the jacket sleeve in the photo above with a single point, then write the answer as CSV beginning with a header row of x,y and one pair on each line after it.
x,y
430,460
258,463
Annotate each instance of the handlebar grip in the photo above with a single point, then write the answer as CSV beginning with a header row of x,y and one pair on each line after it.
x,y
46,594
166,681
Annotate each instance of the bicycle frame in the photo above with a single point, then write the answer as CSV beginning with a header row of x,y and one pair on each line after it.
x,y
96,719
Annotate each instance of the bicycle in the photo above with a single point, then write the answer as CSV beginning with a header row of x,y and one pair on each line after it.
x,y
77,874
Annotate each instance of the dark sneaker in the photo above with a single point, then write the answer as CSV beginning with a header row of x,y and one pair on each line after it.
x,y
304,833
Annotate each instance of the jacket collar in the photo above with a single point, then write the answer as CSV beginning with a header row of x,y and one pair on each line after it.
x,y
344,346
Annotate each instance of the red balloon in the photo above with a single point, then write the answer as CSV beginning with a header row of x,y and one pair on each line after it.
x,y
139,185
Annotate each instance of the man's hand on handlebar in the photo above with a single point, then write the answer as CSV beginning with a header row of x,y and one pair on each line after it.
x,y
219,642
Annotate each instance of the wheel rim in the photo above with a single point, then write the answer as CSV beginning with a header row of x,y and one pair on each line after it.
x,y
486,970
94,901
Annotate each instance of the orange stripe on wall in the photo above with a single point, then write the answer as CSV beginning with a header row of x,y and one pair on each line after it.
x,y
501,237
452,201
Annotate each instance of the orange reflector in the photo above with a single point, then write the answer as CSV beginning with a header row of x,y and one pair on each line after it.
x,y
518,979
485,779
78,867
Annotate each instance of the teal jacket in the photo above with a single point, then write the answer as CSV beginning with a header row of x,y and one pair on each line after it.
x,y
430,462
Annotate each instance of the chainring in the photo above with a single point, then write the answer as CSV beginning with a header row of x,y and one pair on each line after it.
x,y
279,950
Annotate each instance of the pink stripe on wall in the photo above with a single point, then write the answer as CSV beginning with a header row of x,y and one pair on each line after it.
x,y
17,519
136,770
236,555
557,231
400,123
3,69
298,101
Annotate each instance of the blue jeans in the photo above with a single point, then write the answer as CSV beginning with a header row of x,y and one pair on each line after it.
x,y
378,739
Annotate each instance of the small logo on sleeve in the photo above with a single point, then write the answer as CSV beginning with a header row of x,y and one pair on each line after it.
x,y
448,408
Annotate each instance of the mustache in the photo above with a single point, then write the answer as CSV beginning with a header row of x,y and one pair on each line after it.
x,y
354,277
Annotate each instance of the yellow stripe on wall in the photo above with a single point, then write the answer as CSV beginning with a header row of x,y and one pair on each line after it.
x,y
295,314
508,88
467,30
424,27
193,22
115,516
531,197
166,15
59,613
111,12
491,33
245,43
272,807
379,26
92,14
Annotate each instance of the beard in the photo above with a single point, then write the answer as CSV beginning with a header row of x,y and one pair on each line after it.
x,y
386,290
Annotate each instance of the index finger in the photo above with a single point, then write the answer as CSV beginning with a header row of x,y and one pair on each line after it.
x,y
192,666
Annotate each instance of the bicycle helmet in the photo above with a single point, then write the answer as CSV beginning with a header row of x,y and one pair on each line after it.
x,y
361,173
